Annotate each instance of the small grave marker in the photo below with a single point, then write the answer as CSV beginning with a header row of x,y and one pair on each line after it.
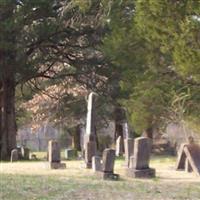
x,y
14,155
54,155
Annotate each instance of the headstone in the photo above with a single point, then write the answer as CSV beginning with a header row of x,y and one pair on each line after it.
x,y
54,151
189,157
54,155
25,153
14,155
131,164
139,162
119,146
96,163
19,149
90,151
142,150
192,152
108,161
70,154
129,149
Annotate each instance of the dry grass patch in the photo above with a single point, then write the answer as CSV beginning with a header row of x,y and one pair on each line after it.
x,y
31,181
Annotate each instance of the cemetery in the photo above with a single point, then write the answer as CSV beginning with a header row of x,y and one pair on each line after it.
x,y
127,170
99,100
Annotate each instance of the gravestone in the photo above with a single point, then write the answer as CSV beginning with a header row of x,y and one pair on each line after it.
x,y
119,146
192,153
139,162
70,154
189,157
129,149
108,161
90,151
54,155
54,151
14,155
20,157
25,153
96,163
90,138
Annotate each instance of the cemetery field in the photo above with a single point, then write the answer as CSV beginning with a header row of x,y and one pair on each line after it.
x,y
32,181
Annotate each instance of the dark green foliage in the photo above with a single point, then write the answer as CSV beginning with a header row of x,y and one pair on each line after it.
x,y
41,40
156,52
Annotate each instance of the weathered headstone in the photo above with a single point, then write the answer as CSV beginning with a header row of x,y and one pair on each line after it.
x,y
70,154
139,162
119,146
189,157
54,155
14,155
108,161
142,150
96,163
192,152
54,151
90,151
129,150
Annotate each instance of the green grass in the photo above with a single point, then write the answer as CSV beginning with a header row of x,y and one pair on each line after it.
x,y
31,181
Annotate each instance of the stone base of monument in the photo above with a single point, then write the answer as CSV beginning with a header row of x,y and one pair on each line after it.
x,y
141,173
107,175
56,165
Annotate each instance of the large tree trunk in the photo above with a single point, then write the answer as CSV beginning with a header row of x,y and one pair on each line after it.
x,y
1,108
7,83
7,114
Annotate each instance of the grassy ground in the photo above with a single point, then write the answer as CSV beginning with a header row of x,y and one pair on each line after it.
x,y
31,181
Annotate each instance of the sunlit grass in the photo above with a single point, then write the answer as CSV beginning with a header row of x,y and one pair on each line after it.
x,y
32,180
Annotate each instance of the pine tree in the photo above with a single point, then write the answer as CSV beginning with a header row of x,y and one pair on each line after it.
x,y
156,54
46,39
